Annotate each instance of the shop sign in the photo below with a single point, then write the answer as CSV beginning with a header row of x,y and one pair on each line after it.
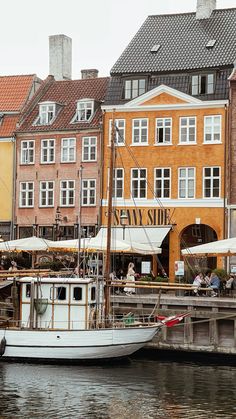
x,y
143,216
179,268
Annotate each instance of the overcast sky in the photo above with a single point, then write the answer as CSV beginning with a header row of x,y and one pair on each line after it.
x,y
100,30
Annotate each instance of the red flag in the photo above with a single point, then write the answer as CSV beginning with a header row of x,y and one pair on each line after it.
x,y
172,320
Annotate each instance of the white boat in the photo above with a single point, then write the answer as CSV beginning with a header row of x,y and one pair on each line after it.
x,y
61,319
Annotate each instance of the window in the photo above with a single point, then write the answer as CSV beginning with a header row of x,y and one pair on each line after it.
x,y
134,88
140,131
162,182
68,150
89,192
27,152
93,293
89,148
46,232
46,194
118,183
119,131
26,194
67,193
84,111
46,113
47,151
139,183
187,182
202,84
27,290
60,293
212,129
211,182
77,293
188,130
163,130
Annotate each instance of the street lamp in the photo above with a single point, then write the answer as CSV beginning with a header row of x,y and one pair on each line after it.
x,y
57,221
123,221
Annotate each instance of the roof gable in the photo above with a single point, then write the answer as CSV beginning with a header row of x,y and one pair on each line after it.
x,y
15,91
162,95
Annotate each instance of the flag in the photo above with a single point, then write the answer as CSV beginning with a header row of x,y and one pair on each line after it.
x,y
172,320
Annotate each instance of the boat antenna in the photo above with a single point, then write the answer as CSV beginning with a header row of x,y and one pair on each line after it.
x,y
109,221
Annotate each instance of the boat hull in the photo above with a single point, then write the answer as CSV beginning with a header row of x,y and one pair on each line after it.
x,y
75,344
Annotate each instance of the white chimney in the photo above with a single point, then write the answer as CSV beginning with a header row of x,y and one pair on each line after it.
x,y
205,8
60,57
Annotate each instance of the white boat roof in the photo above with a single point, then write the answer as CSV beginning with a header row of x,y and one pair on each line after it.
x,y
55,280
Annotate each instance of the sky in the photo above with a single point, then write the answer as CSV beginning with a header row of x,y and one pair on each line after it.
x,y
100,30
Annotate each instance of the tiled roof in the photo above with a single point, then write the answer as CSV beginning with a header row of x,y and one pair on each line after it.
x,y
14,91
67,93
8,125
182,39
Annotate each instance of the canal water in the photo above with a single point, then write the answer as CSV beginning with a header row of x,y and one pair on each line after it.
x,y
136,389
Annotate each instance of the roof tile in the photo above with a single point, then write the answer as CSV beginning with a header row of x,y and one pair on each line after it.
x,y
14,91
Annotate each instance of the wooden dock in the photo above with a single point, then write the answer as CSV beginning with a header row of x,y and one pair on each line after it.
x,y
210,328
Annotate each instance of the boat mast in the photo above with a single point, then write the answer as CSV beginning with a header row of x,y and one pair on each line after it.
x,y
109,221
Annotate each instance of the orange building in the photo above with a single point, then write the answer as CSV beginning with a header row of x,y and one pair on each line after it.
x,y
169,173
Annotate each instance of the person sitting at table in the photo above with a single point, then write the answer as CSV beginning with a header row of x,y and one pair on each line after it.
x,y
197,283
214,284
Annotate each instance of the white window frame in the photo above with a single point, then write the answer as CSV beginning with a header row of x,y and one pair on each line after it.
x,y
187,179
47,190
140,128
119,138
211,178
67,148
133,88
89,148
83,109
46,115
25,152
212,125
162,179
138,179
115,180
65,193
196,87
48,148
187,127
165,128
27,192
88,189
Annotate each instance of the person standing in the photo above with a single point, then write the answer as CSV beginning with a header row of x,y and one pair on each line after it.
x,y
130,278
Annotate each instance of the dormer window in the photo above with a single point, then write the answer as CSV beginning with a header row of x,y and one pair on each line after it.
x,y
134,88
202,84
47,113
85,110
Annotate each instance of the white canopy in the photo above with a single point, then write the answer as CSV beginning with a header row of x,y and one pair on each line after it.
x,y
225,247
99,244
28,244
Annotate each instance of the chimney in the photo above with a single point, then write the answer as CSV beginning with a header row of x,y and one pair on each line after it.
x,y
205,8
60,57
89,74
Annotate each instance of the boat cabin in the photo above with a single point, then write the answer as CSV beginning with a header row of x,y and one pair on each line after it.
x,y
59,303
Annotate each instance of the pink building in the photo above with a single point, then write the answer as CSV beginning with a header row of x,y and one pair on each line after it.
x,y
58,159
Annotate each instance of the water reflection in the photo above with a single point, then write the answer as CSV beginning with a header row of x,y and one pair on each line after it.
x,y
140,389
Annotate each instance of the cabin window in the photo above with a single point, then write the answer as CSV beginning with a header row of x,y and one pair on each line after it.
x,y
77,293
93,293
61,293
27,290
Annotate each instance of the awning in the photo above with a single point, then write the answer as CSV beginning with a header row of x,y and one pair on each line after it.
x,y
152,236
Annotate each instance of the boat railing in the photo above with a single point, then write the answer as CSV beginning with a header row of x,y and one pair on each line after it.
x,y
114,321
